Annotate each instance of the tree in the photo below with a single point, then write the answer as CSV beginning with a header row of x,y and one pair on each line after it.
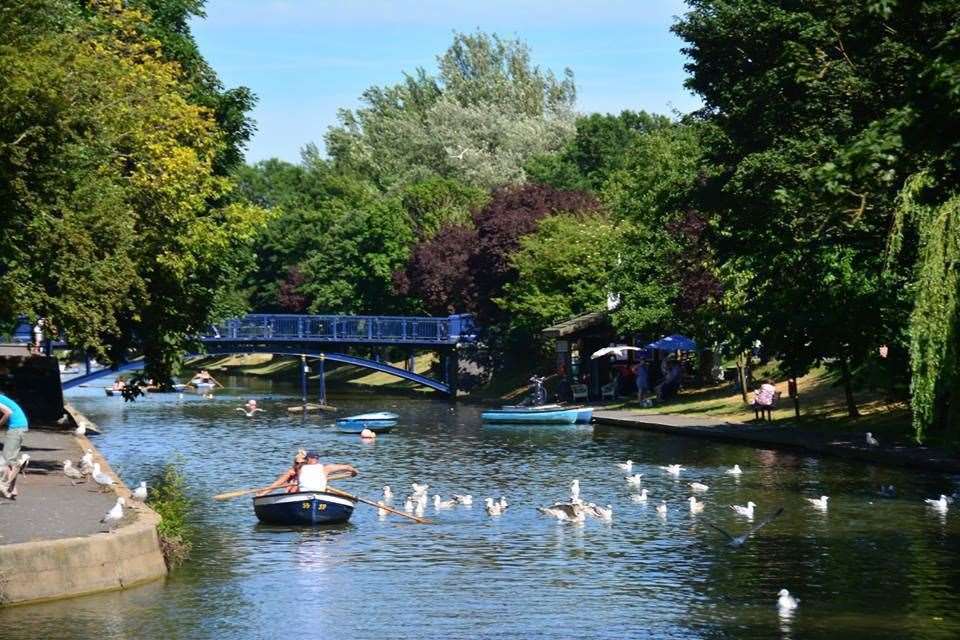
x,y
487,111
436,202
438,273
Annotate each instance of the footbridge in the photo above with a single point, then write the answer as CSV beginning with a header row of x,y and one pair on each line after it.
x,y
334,338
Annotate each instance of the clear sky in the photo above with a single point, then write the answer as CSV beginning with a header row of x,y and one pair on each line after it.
x,y
307,58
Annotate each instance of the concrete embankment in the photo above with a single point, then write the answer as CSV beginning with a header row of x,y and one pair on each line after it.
x,y
52,544
851,446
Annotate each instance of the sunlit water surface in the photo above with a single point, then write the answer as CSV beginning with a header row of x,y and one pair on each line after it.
x,y
869,567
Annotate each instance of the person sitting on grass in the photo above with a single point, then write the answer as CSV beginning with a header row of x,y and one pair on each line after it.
x,y
15,419
763,398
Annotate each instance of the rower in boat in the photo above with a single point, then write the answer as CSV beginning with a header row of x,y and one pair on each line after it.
x,y
203,380
307,474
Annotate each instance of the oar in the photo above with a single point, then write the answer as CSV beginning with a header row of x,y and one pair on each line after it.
x,y
344,494
336,475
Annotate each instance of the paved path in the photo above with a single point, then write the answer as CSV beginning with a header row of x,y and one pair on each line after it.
x,y
49,506
843,444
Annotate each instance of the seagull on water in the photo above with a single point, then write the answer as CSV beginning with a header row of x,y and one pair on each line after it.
x,y
439,503
408,505
941,505
635,480
575,491
464,500
71,471
493,508
503,503
871,441
737,541
699,486
115,514
420,489
785,601
387,493
101,478
819,503
746,511
598,512
662,508
564,511
626,466
695,506
735,470
420,507
640,497
140,493
673,469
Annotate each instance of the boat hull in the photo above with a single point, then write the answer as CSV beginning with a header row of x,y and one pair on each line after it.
x,y
305,508
584,415
549,416
356,426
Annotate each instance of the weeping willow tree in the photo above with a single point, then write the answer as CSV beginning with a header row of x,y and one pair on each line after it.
x,y
934,328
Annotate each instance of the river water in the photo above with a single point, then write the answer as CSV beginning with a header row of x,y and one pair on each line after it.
x,y
868,567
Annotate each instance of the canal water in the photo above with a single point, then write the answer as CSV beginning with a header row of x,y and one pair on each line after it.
x,y
869,567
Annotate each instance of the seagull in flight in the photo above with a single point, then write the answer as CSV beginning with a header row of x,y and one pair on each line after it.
x,y
738,541
140,493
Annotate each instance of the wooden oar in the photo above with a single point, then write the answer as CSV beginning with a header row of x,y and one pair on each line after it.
x,y
344,494
336,475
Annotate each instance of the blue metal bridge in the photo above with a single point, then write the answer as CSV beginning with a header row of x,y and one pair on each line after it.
x,y
325,336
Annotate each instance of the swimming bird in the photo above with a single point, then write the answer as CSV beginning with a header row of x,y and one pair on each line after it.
x,y
140,493
503,503
115,514
785,601
466,500
819,503
640,497
737,541
575,491
942,504
871,441
626,466
673,469
387,493
71,472
564,512
735,470
635,480
439,503
598,512
419,489
80,430
662,508
698,486
695,507
101,478
493,508
746,511
420,507
408,505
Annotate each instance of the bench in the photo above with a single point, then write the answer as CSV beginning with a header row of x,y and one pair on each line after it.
x,y
580,392
760,409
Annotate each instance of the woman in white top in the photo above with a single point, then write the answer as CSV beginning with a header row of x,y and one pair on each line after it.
x,y
313,475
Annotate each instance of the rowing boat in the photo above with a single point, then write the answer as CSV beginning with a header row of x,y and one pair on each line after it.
x,y
303,508
532,415
378,422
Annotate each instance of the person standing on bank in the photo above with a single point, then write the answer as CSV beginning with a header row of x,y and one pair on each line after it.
x,y
15,420
38,336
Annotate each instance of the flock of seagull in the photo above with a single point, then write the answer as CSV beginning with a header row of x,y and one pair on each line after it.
x,y
87,468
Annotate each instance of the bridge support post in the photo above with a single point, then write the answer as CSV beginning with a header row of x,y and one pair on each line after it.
x,y
451,369
323,382
303,379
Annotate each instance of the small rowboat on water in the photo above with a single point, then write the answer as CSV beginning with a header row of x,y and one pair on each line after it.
x,y
378,422
532,415
584,414
303,508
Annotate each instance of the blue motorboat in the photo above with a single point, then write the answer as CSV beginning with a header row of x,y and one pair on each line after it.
x,y
530,415
378,422
303,508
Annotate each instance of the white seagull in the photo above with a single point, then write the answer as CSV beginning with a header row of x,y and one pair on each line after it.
x,y
673,469
466,500
575,491
746,511
380,509
785,601
871,441
600,513
80,430
635,480
140,493
408,505
564,512
819,503
101,478
503,503
387,493
86,462
115,514
439,503
695,507
735,470
698,486
626,466
71,471
941,505
640,497
420,489
662,508
493,508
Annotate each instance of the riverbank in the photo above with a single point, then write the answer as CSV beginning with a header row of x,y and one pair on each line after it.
x,y
52,544
849,444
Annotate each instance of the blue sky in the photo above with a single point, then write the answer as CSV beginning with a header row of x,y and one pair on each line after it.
x,y
307,58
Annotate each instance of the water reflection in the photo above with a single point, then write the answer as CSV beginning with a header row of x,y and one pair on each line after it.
x,y
867,567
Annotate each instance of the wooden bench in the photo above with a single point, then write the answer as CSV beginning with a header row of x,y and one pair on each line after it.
x,y
759,409
580,392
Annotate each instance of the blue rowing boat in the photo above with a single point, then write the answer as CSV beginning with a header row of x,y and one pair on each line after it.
x,y
584,414
531,415
378,422
303,508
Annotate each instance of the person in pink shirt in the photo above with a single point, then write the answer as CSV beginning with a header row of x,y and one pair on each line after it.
x,y
763,397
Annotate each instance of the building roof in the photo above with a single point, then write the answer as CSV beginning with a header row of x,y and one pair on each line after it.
x,y
577,324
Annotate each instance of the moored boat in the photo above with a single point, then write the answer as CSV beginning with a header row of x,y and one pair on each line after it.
x,y
584,414
378,422
532,415
303,508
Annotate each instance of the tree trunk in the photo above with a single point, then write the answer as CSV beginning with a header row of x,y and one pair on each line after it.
x,y
742,376
852,410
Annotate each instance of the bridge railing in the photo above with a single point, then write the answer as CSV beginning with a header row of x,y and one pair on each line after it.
x,y
391,329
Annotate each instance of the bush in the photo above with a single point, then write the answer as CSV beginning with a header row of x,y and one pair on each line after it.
x,y
169,499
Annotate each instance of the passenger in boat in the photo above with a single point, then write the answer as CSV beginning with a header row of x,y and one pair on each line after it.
x,y
313,474
288,477
119,384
